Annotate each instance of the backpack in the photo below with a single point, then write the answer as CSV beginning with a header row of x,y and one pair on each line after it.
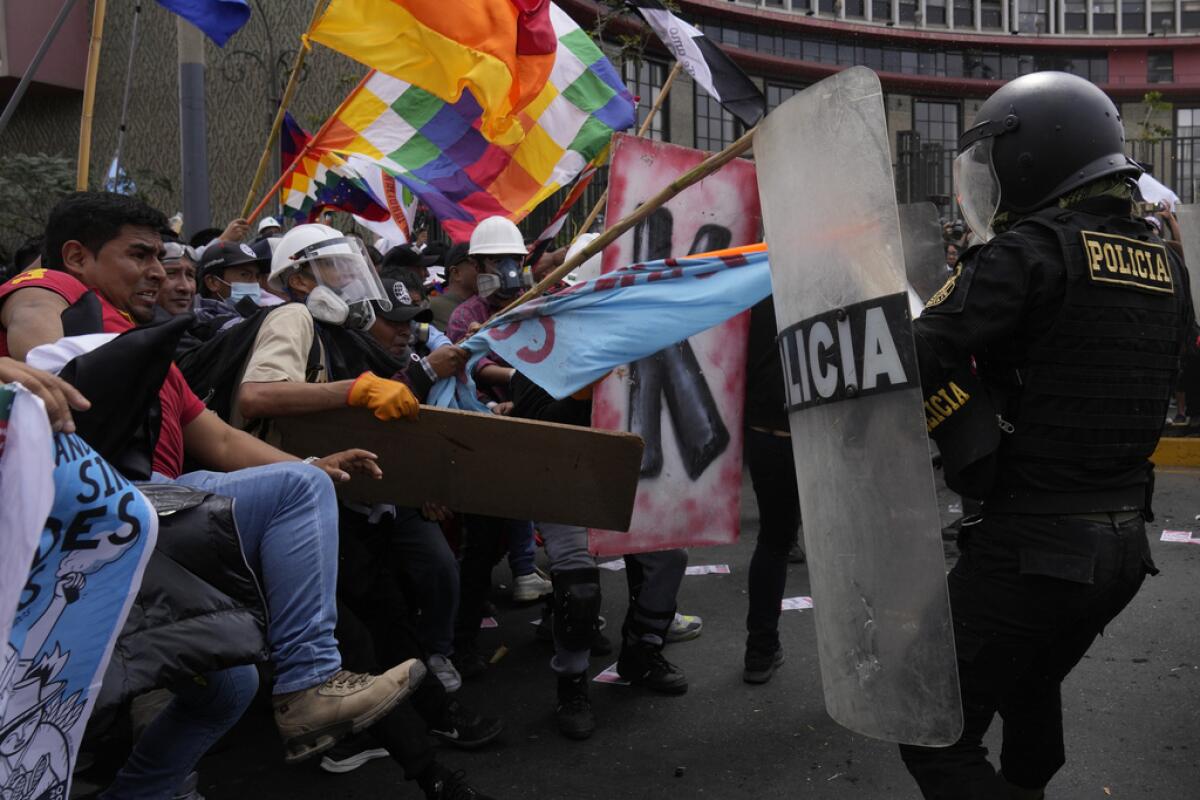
x,y
213,367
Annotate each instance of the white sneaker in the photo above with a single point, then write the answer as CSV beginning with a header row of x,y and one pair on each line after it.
x,y
528,588
684,627
445,672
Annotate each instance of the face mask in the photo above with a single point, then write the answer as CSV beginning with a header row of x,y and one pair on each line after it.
x,y
487,284
239,290
326,306
360,317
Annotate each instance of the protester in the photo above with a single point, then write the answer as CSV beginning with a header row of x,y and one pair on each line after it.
x,y
178,290
951,257
268,228
359,324
405,260
460,273
111,245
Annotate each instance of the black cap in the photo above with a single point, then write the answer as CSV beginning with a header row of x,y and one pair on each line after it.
x,y
222,255
265,248
403,308
404,257
457,254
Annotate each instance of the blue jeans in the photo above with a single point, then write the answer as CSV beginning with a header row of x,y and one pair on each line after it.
x,y
200,714
287,517
521,548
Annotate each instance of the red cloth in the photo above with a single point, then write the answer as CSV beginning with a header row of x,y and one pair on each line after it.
x,y
180,406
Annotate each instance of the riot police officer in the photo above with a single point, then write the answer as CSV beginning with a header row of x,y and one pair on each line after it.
x,y
1047,361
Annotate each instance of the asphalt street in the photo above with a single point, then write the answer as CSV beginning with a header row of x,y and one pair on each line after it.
x,y
1131,708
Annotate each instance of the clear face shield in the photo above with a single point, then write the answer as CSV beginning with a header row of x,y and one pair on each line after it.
x,y
346,282
977,187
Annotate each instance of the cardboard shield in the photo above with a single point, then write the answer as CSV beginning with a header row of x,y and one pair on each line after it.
x,y
871,525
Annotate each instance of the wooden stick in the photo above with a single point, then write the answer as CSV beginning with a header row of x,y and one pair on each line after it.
x,y
89,96
692,176
645,126
288,170
288,94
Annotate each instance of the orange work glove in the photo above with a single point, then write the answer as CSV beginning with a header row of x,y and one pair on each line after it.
x,y
388,399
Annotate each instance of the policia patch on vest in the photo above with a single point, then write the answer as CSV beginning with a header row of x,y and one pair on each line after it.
x,y
1132,263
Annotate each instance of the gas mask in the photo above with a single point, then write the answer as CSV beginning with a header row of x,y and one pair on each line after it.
x,y
346,283
328,306
505,279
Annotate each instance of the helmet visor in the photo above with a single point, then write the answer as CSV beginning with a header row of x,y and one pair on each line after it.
x,y
977,187
343,266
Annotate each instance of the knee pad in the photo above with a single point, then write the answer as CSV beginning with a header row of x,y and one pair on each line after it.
x,y
576,607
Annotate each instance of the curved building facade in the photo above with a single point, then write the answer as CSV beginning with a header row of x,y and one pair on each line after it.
x,y
938,60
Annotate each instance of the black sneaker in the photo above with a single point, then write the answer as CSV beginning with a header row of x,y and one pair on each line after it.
x,y
761,664
468,660
351,753
574,711
439,783
643,664
465,729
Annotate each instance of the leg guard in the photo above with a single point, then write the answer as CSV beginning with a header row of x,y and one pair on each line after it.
x,y
643,625
576,607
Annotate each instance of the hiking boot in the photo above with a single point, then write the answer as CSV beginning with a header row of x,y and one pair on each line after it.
x,y
444,671
761,664
643,664
351,753
684,628
464,728
531,587
439,783
574,711
469,662
312,720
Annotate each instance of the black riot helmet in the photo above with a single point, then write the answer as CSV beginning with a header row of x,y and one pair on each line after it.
x,y
1037,138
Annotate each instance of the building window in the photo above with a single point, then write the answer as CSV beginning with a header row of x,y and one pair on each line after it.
x,y
856,9
777,93
1104,15
990,13
1187,154
964,13
936,123
1191,15
715,127
935,12
1162,16
1033,16
881,10
827,7
1075,15
908,11
645,80
1133,16
1160,67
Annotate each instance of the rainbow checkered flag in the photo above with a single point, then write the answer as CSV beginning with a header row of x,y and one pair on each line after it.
x,y
440,151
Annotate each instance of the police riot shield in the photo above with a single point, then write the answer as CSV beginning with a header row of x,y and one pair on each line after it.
x,y
924,250
1188,216
867,494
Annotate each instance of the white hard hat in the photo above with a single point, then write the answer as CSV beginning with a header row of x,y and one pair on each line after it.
x,y
289,252
268,222
496,236
589,269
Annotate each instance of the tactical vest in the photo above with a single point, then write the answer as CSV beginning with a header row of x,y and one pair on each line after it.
x,y
1095,389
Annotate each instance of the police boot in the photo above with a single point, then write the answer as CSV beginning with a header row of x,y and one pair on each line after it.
x,y
641,661
574,710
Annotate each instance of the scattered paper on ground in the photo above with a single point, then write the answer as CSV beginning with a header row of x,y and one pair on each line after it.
x,y
488,622
796,603
1178,536
708,569
610,676
616,565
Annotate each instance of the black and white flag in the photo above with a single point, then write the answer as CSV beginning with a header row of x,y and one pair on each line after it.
x,y
706,63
